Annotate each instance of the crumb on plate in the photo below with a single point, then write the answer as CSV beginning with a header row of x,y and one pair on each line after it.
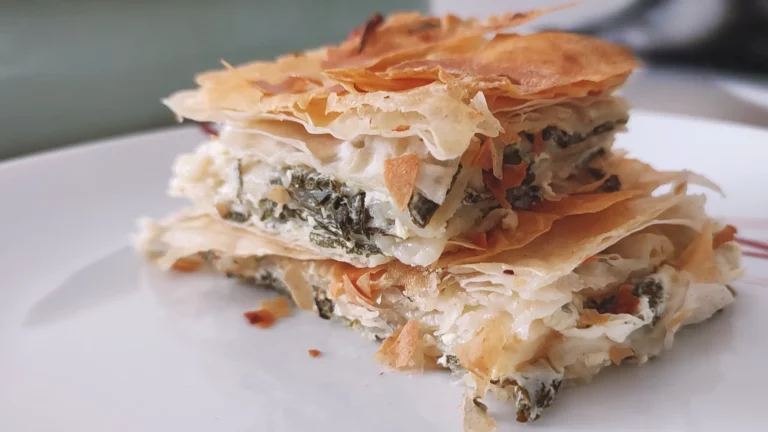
x,y
261,318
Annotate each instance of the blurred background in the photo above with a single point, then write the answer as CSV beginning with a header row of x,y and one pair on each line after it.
x,y
76,70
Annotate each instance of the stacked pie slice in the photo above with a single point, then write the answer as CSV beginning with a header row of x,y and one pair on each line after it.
x,y
453,192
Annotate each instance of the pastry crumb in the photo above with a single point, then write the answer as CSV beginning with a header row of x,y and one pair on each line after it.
x,y
269,312
261,318
187,265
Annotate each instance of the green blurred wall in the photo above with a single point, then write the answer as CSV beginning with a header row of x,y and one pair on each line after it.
x,y
78,70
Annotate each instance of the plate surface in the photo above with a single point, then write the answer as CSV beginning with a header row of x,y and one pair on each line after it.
x,y
93,339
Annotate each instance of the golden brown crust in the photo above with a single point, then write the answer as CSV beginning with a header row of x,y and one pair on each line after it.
x,y
728,233
400,177
539,65
698,258
408,50
618,353
404,349
188,264
481,354
409,35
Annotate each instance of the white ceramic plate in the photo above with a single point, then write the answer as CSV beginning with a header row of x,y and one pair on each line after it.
x,y
93,339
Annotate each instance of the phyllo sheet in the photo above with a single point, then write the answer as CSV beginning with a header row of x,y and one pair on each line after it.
x,y
594,289
372,198
413,131
454,193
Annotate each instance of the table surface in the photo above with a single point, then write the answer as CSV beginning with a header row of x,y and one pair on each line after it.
x,y
700,94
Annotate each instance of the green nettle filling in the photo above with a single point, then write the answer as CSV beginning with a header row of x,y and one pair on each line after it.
x,y
324,304
529,401
564,139
527,195
421,209
357,247
333,205
341,220
649,288
235,216
472,196
522,197
652,290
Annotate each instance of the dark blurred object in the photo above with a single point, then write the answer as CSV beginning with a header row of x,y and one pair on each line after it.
x,y
720,34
